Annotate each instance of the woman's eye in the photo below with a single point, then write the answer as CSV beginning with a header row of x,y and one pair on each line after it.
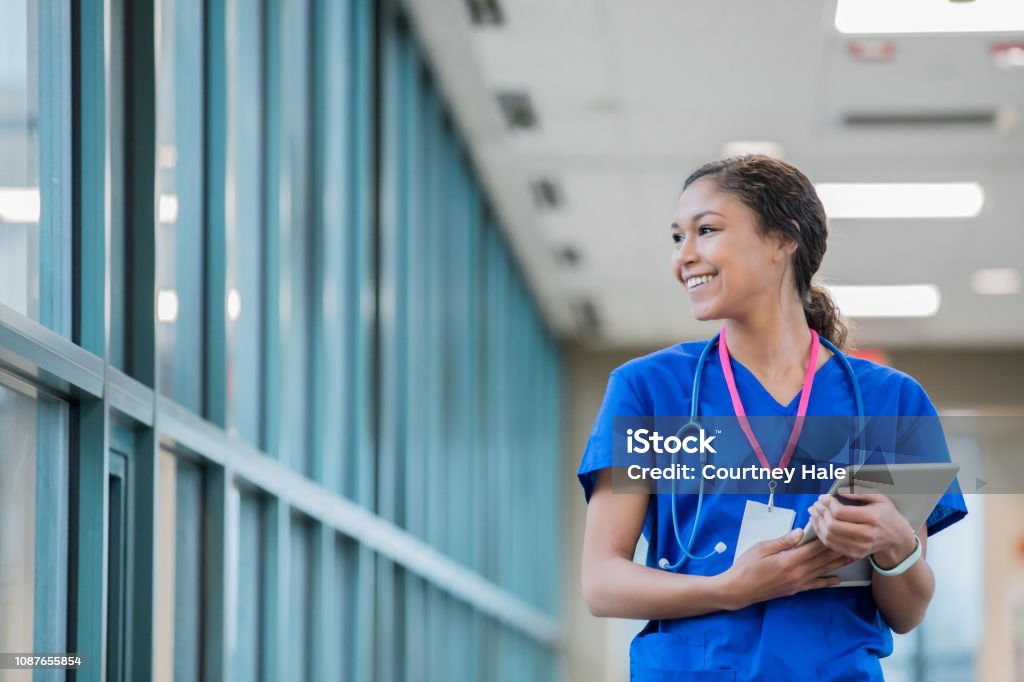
x,y
677,238
700,230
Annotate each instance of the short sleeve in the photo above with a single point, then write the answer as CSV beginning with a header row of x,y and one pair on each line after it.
x,y
620,400
921,438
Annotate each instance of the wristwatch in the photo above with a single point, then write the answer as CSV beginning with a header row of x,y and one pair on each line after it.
x,y
903,565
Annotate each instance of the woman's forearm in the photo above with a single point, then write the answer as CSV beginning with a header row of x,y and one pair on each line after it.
x,y
903,599
617,587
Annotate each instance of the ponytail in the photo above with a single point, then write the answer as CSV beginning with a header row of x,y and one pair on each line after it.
x,y
823,316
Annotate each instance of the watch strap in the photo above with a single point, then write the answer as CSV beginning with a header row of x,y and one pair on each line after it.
x,y
901,566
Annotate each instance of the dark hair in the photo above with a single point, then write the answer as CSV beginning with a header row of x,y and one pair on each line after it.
x,y
780,194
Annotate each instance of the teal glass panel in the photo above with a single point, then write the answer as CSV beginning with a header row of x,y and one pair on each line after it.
x,y
33,520
300,600
179,569
35,234
243,214
179,229
245,659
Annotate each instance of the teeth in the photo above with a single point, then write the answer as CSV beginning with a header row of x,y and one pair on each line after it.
x,y
694,281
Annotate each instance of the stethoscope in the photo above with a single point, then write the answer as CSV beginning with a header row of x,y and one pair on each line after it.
x,y
694,424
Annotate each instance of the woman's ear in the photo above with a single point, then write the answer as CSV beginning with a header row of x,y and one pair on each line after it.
x,y
786,246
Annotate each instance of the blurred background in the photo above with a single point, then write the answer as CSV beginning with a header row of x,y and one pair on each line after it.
x,y
307,308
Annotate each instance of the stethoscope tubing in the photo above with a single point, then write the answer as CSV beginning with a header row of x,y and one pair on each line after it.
x,y
694,423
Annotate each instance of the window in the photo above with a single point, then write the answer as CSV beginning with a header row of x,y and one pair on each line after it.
x,y
244,222
179,569
35,242
179,232
33,520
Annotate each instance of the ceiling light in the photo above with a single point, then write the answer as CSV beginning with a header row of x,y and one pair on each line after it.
x,y
234,305
167,305
905,300
1008,56
742,147
901,199
19,205
928,16
996,281
168,209
167,156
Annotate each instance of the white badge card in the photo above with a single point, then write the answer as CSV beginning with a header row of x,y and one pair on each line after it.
x,y
761,522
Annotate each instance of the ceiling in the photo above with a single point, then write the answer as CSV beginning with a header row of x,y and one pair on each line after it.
x,y
632,95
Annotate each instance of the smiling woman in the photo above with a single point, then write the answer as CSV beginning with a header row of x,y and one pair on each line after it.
x,y
749,235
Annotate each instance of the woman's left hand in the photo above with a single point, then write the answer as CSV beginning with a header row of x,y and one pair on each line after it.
x,y
873,527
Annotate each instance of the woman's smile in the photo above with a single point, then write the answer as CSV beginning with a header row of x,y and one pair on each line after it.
x,y
699,281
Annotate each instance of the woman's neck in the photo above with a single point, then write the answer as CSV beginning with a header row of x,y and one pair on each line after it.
x,y
772,343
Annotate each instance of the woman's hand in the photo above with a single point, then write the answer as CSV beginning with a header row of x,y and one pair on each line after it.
x,y
874,527
775,568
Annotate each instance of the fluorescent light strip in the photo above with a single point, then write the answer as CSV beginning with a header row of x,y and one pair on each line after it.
x,y
996,281
929,16
168,209
901,199
907,300
19,205
167,306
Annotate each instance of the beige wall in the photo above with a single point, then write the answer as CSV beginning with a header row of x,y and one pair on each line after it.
x,y
992,381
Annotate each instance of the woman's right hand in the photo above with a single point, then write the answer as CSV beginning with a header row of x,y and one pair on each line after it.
x,y
777,568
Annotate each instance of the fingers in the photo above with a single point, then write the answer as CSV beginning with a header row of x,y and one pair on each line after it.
x,y
847,512
782,543
808,552
829,567
856,532
818,583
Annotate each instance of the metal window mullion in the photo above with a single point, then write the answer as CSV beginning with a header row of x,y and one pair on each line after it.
x,y
272,346
89,133
326,617
276,661
329,181
54,134
216,161
217,580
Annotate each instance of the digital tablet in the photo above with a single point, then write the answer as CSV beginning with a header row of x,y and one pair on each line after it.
x,y
914,489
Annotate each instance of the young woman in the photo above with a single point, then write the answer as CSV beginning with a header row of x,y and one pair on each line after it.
x,y
749,234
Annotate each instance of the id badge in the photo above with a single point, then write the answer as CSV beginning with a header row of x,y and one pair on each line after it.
x,y
761,522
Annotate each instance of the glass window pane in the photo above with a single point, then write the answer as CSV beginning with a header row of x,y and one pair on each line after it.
x,y
35,270
116,145
179,236
17,522
179,569
300,598
249,602
33,521
244,218
295,243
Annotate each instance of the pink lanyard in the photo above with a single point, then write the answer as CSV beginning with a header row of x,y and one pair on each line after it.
x,y
801,411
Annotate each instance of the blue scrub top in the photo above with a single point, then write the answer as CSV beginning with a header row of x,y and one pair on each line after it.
x,y
827,634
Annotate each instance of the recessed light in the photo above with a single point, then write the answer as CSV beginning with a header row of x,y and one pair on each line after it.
x,y
871,300
996,281
928,16
901,199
